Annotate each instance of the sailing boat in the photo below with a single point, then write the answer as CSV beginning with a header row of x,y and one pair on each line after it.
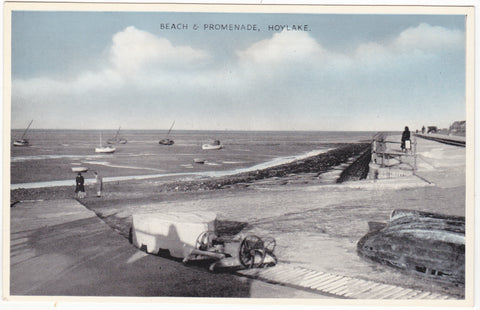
x,y
117,139
167,141
22,141
104,149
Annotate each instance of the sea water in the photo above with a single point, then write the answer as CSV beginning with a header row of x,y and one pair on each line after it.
x,y
49,160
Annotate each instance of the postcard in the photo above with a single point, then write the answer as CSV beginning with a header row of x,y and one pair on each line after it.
x,y
236,154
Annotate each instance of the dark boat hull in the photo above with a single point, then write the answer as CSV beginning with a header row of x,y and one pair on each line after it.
x,y
428,244
166,142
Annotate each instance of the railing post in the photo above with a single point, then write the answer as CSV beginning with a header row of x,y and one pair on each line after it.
x,y
414,155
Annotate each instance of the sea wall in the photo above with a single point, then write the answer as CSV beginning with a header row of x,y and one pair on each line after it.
x,y
358,170
315,164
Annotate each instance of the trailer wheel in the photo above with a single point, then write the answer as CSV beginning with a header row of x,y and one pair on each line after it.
x,y
252,252
205,240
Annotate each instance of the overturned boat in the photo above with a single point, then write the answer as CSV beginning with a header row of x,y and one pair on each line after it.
x,y
427,244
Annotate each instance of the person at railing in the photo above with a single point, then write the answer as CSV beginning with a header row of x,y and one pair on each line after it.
x,y
405,139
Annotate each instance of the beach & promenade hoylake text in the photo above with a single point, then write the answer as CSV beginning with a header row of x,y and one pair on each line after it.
x,y
233,27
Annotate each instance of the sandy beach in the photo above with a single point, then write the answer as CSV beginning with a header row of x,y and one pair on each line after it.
x,y
315,221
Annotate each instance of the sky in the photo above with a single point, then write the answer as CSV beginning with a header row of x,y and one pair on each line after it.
x,y
102,70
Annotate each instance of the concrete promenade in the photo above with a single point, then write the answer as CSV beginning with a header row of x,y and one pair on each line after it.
x,y
60,248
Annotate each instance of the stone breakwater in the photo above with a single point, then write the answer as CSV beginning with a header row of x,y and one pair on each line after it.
x,y
317,164
358,170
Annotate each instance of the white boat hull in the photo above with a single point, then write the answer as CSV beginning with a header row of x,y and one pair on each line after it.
x,y
79,169
105,149
211,147
21,143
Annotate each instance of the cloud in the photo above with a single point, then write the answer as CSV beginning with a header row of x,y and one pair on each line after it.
x,y
429,38
289,77
133,54
282,47
418,43
133,50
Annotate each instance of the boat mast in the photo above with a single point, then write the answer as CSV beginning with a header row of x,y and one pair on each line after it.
x,y
25,132
170,129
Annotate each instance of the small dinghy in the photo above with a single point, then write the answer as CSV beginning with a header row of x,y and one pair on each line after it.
x,y
105,149
215,145
427,244
79,169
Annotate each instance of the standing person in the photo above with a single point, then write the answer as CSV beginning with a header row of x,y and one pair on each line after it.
x,y
80,186
423,129
405,138
98,184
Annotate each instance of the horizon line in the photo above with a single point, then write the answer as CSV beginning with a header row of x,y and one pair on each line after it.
x,y
241,130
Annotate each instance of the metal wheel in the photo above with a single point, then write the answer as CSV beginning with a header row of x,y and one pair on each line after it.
x,y
252,252
269,244
205,240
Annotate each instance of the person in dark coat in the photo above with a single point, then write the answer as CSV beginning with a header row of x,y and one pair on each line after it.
x,y
80,186
405,137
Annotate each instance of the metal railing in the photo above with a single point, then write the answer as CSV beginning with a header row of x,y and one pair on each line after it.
x,y
382,153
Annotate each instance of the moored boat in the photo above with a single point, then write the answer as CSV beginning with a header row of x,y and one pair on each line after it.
x,y
199,160
79,169
215,145
427,244
104,149
166,140
117,139
22,141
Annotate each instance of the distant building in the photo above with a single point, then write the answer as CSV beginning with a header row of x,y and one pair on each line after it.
x,y
458,128
432,129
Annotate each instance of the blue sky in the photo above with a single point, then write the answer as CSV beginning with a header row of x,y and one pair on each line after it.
x,y
101,70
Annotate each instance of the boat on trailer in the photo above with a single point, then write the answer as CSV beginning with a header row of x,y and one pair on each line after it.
x,y
427,244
